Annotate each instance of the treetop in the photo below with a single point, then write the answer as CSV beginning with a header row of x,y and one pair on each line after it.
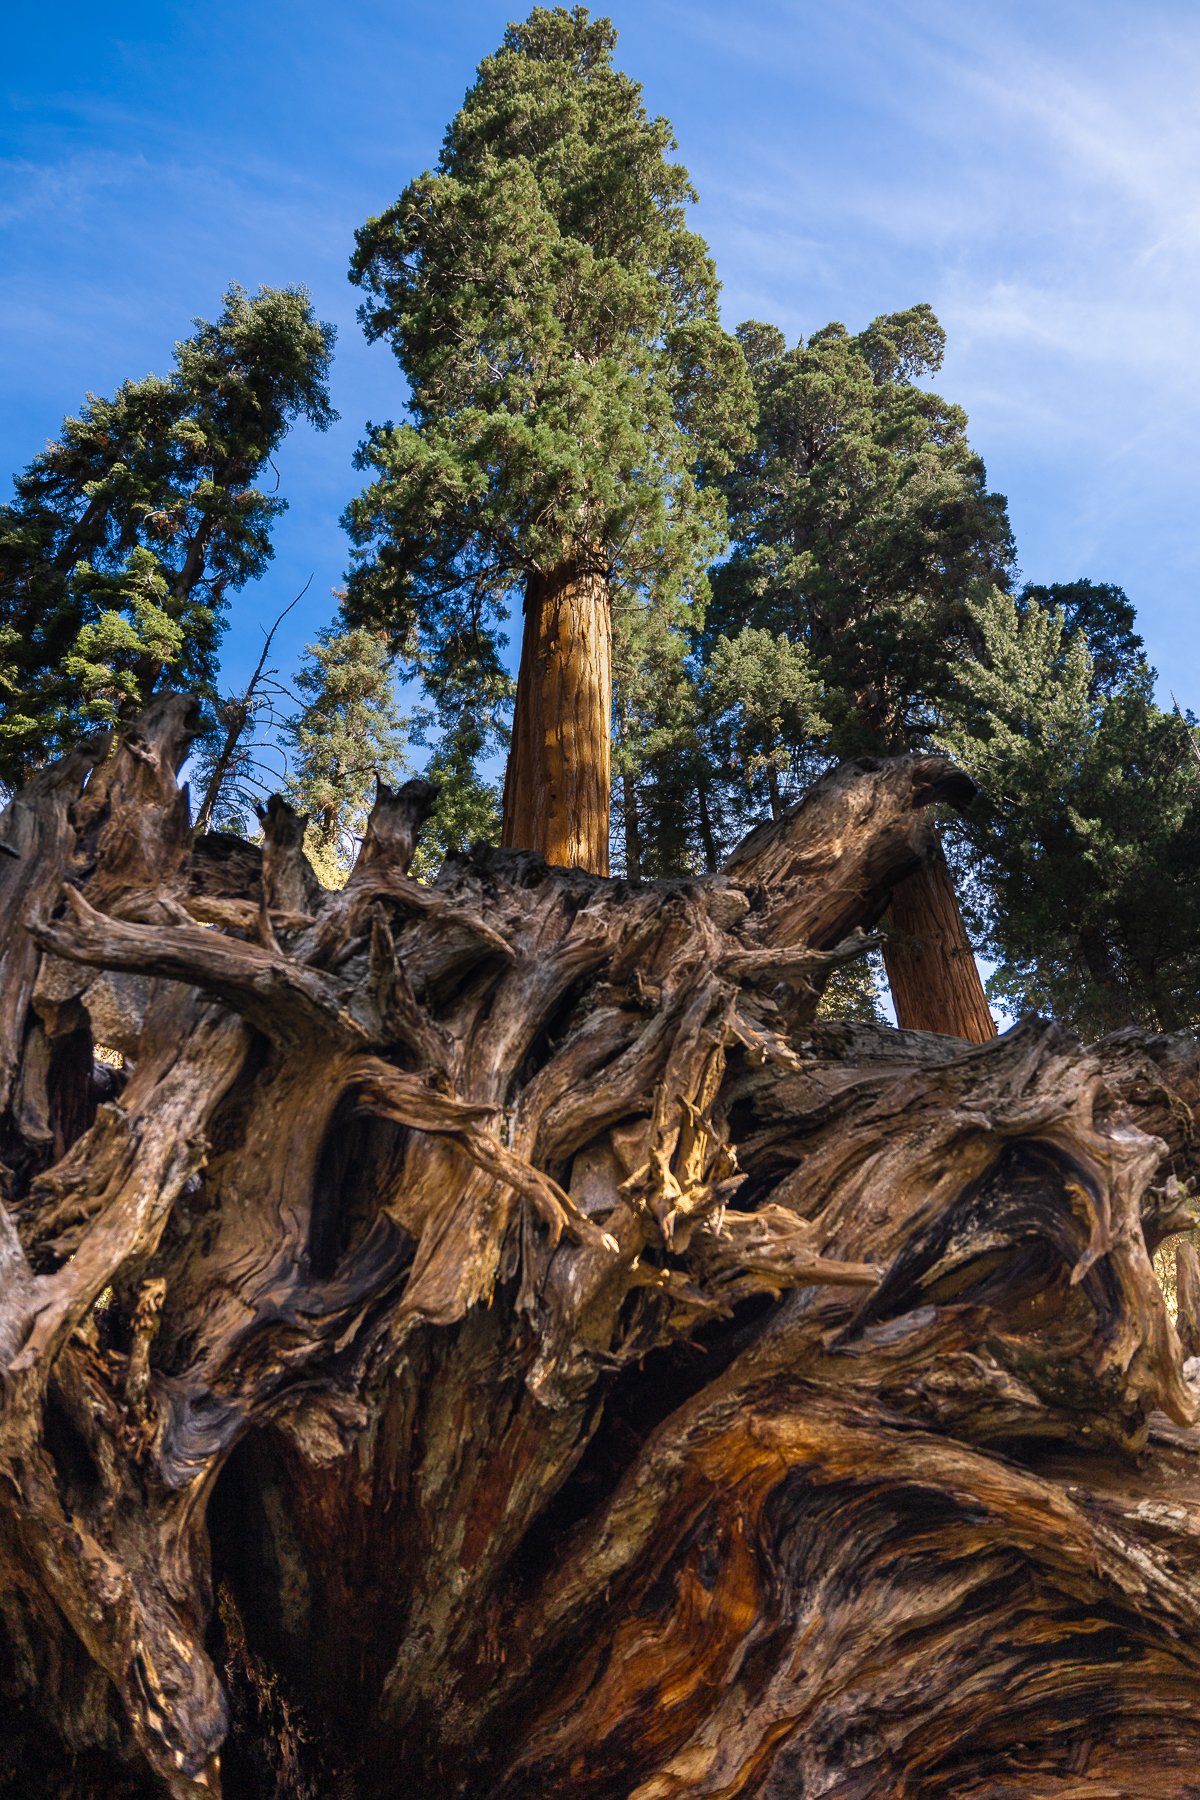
x,y
572,389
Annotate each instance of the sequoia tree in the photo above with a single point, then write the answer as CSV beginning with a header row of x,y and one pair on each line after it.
x,y
127,535
573,396
862,524
489,1337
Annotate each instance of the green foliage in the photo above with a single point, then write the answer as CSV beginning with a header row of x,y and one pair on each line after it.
x,y
105,665
467,809
658,743
348,733
1101,613
703,748
854,991
573,394
575,402
862,521
466,726
126,536
764,702
1086,842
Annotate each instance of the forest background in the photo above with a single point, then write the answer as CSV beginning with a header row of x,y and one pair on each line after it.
x,y
1036,182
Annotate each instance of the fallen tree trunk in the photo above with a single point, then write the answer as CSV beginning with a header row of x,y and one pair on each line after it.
x,y
488,1339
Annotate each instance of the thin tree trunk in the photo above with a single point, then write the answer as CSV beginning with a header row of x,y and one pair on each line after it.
x,y
773,793
708,841
930,966
1098,961
633,835
557,788
83,535
222,763
193,563
239,713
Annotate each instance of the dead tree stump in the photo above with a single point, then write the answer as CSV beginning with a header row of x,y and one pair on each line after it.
x,y
489,1339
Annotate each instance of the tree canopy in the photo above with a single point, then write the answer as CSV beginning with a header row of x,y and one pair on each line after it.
x,y
347,735
580,426
1085,842
573,395
127,535
862,522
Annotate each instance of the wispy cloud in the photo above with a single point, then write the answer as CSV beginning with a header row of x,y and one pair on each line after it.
x,y
63,189
1034,172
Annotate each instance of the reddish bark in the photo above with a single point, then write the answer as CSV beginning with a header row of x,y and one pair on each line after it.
x,y
556,792
931,969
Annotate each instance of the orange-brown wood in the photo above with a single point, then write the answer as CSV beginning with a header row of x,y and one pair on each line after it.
x,y
930,965
491,1338
556,793
1187,1297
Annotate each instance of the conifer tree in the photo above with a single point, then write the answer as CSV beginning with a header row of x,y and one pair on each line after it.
x,y
348,735
466,810
764,701
657,737
1096,610
1087,834
862,522
572,397
465,726
127,535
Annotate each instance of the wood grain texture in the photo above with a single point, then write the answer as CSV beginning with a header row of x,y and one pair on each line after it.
x,y
489,1339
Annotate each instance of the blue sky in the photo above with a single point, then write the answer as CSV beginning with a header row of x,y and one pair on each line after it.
x,y
1031,170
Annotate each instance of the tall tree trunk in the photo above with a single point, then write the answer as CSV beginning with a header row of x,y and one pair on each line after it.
x,y
557,788
491,1340
931,969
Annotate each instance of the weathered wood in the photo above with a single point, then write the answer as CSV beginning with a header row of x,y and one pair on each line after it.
x,y
491,1339
38,838
133,832
832,862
